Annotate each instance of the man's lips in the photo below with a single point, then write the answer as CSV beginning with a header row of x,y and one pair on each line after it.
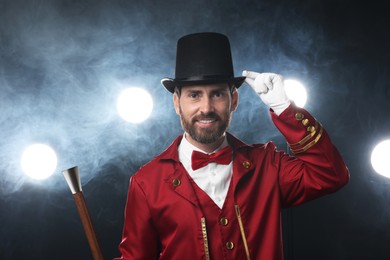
x,y
206,121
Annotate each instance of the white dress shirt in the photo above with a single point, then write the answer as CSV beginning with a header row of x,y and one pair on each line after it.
x,y
214,178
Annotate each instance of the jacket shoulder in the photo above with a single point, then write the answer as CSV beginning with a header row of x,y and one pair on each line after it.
x,y
161,164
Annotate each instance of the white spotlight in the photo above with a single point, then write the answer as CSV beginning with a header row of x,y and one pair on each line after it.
x,y
134,105
39,161
296,92
380,160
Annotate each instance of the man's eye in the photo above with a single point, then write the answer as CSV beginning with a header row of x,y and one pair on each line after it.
x,y
193,95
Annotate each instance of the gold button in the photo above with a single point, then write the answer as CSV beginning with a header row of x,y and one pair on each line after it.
x,y
305,122
224,221
246,164
229,245
299,116
176,182
311,129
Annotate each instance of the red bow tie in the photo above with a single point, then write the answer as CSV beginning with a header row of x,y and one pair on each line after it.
x,y
199,159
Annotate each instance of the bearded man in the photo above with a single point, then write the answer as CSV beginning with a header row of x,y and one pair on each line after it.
x,y
210,195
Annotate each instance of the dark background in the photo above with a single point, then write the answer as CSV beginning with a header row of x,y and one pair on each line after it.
x,y
64,63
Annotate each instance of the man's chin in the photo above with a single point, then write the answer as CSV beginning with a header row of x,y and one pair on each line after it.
x,y
207,138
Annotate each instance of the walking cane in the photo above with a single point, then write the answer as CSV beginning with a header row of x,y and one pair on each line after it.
x,y
73,179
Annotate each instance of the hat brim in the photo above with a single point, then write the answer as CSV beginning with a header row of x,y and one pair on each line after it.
x,y
170,84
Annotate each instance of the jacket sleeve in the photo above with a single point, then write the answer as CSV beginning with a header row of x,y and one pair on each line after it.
x,y
139,238
316,167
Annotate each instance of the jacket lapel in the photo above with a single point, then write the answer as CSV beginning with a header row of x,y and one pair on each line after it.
x,y
180,183
178,179
242,162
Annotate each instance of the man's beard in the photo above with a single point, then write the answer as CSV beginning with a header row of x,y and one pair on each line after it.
x,y
205,135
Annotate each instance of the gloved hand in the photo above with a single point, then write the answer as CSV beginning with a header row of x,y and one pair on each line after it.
x,y
270,88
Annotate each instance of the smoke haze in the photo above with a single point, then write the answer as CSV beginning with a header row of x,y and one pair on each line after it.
x,y
63,64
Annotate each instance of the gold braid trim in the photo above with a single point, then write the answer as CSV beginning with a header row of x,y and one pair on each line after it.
x,y
306,147
248,257
306,138
205,239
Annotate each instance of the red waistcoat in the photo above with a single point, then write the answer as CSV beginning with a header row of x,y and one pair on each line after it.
x,y
221,241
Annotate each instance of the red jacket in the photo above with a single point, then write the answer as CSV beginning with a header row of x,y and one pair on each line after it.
x,y
164,219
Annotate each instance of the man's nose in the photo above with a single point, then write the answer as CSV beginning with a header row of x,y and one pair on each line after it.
x,y
206,105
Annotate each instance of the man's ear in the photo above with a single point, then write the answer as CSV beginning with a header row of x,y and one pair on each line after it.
x,y
234,100
176,103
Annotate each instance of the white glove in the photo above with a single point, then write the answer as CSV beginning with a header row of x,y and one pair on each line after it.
x,y
270,88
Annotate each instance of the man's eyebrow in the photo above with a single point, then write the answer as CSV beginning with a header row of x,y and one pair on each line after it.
x,y
220,88
192,91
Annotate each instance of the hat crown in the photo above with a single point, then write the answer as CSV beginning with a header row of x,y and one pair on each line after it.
x,y
201,59
203,55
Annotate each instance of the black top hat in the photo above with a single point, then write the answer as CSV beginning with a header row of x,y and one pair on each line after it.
x,y
203,58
